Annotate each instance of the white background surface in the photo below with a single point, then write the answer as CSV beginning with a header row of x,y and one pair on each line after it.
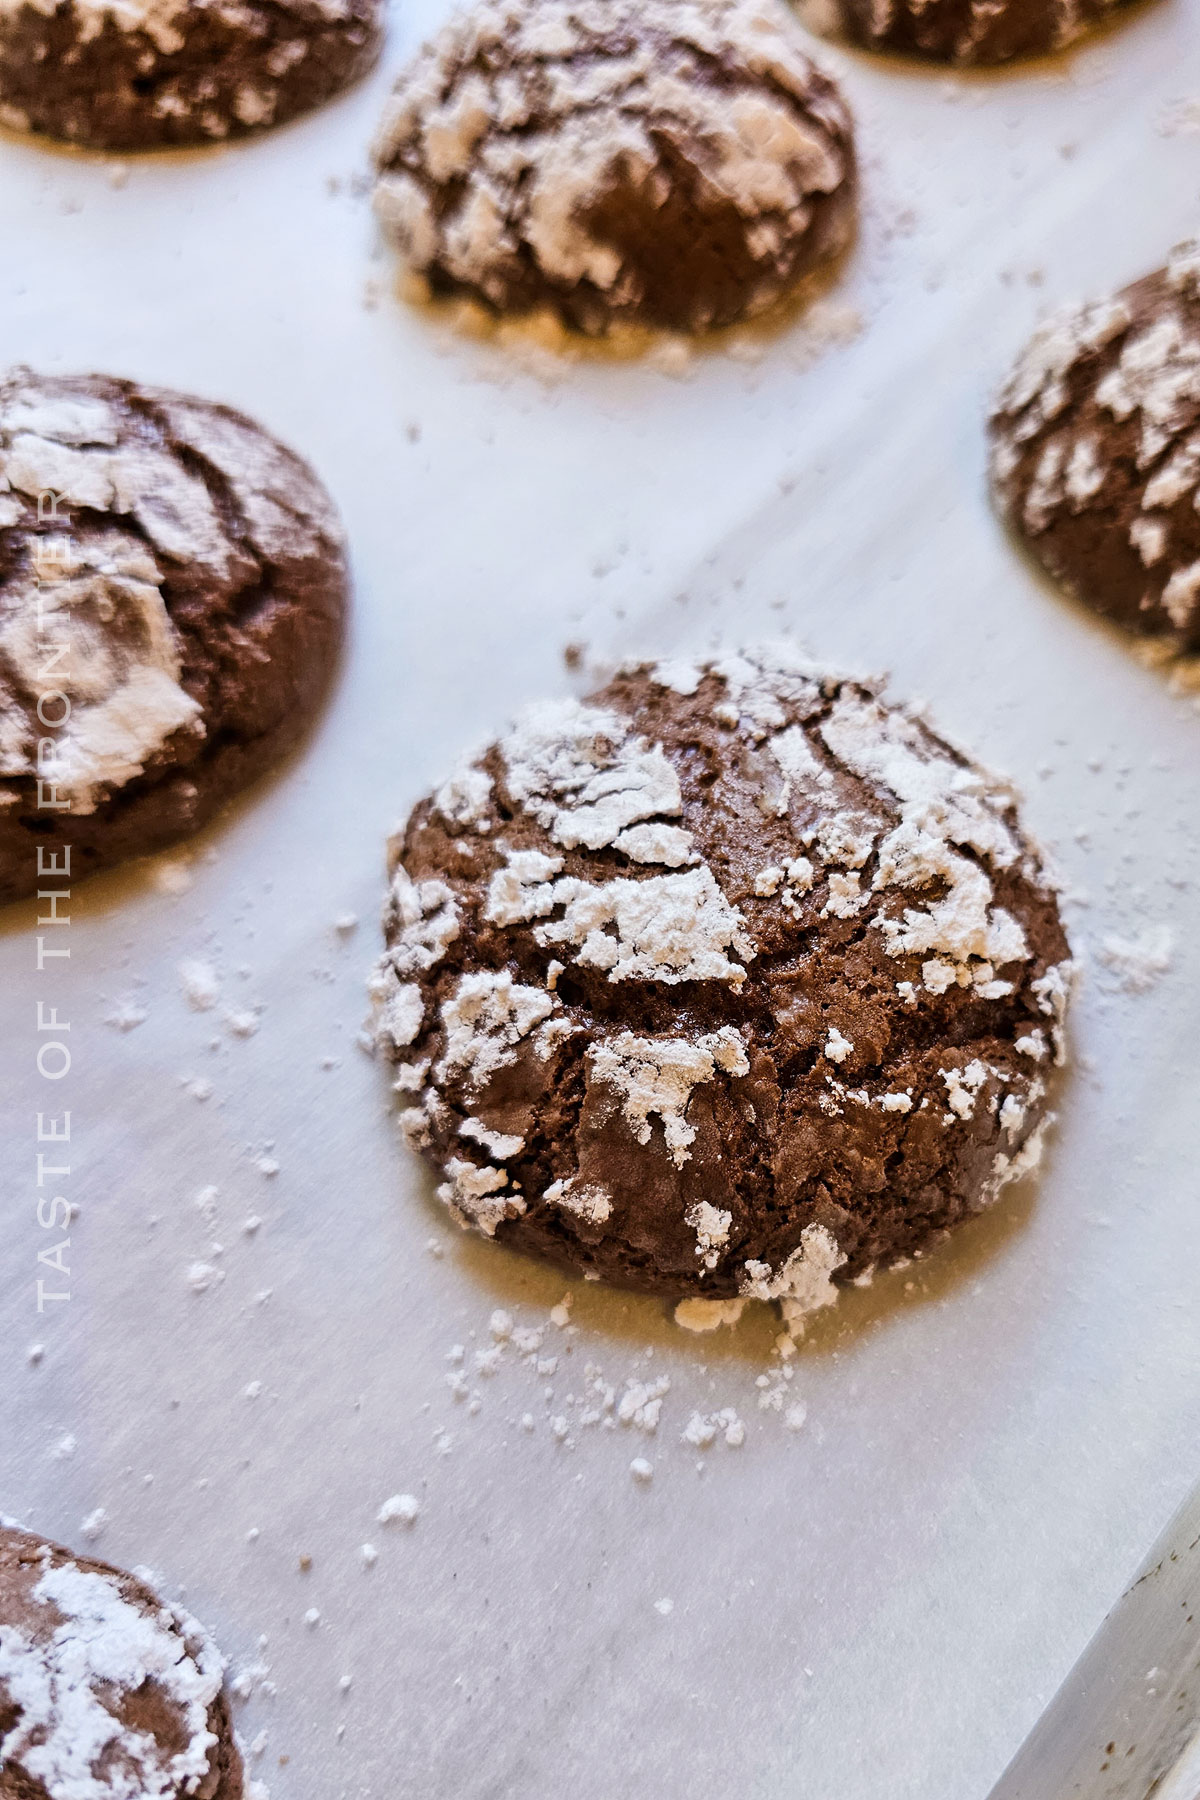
x,y
875,1607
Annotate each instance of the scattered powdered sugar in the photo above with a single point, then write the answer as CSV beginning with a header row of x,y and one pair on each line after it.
x,y
401,1509
201,987
1138,962
572,1403
641,1403
702,1429
201,1276
127,1015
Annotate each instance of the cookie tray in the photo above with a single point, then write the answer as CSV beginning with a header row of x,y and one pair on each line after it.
x,y
872,1595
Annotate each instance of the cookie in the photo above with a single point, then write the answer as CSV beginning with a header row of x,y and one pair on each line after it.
x,y
146,74
729,980
1096,452
104,1690
664,163
958,31
172,593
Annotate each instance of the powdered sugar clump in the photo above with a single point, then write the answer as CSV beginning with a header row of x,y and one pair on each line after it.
x,y
657,1075
1138,962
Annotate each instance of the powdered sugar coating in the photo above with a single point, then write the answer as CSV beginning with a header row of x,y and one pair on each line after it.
x,y
149,72
1096,451
657,1076
534,152
736,1077
158,553
115,1696
958,31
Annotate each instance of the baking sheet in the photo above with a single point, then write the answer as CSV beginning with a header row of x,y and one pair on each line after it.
x,y
874,1605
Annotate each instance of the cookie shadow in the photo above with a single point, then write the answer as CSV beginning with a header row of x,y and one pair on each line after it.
x,y
170,870
1160,652
540,342
945,1273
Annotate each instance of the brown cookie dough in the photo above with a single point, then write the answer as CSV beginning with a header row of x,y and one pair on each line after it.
x,y
664,163
104,1690
958,31
144,74
729,980
1096,452
172,594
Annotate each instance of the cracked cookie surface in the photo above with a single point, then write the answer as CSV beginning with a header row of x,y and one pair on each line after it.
x,y
172,596
665,164
1096,452
106,1693
151,74
733,979
967,32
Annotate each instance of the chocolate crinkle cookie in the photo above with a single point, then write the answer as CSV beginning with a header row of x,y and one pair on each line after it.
x,y
732,980
145,74
172,592
1096,452
105,1692
667,163
958,31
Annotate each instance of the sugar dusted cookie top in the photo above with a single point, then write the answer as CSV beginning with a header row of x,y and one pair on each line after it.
x,y
670,163
728,980
145,74
172,589
1096,451
105,1693
958,31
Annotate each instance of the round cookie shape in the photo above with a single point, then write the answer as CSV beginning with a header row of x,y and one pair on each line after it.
x,y
669,163
1096,452
172,596
150,74
104,1690
730,980
967,32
